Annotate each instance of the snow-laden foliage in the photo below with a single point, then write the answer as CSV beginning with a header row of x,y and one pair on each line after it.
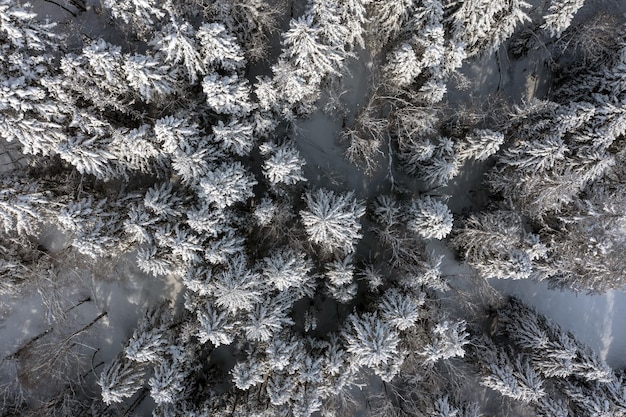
x,y
177,45
515,379
236,136
303,47
286,268
283,164
167,382
227,94
120,379
141,14
561,14
151,79
332,220
483,25
148,342
219,47
429,218
481,144
443,408
340,283
373,342
448,341
158,142
237,287
400,309
93,226
21,206
497,245
247,374
215,326
228,184
267,319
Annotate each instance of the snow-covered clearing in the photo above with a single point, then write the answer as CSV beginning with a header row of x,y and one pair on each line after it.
x,y
596,320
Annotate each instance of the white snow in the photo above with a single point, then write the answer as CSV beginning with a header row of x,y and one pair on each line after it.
x,y
596,320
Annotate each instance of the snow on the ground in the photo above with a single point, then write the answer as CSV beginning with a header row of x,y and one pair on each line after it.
x,y
120,290
596,320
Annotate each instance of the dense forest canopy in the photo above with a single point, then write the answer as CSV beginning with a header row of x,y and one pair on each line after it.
x,y
170,135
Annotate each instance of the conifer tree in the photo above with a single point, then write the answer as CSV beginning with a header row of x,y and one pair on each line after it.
x,y
119,380
429,218
331,220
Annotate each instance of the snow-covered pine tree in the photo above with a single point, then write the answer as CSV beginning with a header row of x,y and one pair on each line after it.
x,y
304,48
237,287
93,225
448,341
220,48
553,352
328,16
429,218
215,326
290,92
550,406
400,309
142,16
403,64
480,144
590,400
135,151
247,374
251,21
483,25
267,319
283,164
185,246
228,184
588,240
22,205
430,273
223,249
340,284
96,76
148,342
515,378
150,78
392,232
332,220
286,268
227,94
443,408
120,379
175,43
236,137
388,18
561,14
372,341
168,380
435,164
497,245
154,261
174,134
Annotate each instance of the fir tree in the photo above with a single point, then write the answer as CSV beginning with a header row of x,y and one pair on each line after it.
x,y
283,164
331,220
429,218
561,14
372,341
119,380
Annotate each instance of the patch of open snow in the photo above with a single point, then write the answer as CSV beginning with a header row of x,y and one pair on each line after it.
x,y
596,320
